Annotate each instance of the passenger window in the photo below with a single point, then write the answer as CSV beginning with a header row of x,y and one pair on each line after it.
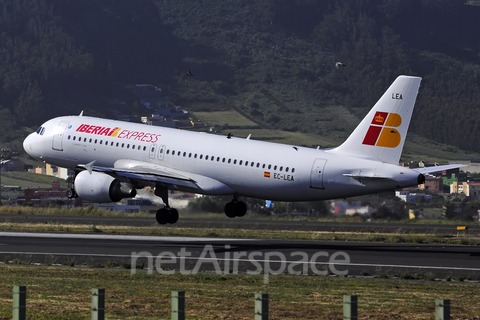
x,y
101,141
275,168
74,138
258,165
223,160
195,156
123,144
269,166
111,144
95,141
168,151
117,144
253,163
201,156
240,163
206,157
90,141
68,137
246,163
229,160
128,145
281,168
85,140
218,159
190,155
286,169
144,148
184,154
263,166
235,161
133,146
293,170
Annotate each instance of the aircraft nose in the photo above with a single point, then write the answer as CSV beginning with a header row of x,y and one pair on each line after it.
x,y
33,146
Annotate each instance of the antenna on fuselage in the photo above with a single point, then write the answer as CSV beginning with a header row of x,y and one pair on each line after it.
x,y
248,138
81,114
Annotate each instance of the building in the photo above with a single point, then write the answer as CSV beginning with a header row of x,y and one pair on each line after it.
x,y
47,196
406,196
469,189
350,209
432,184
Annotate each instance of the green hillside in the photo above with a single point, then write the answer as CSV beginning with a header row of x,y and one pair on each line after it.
x,y
271,61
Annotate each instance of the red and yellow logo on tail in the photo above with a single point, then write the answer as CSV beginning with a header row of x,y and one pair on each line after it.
x,y
382,132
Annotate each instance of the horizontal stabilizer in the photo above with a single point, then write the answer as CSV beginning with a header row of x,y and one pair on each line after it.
x,y
438,168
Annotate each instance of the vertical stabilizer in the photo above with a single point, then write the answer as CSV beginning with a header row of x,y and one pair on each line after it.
x,y
381,134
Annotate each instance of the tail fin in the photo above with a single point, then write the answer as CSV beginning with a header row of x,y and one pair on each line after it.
x,y
381,134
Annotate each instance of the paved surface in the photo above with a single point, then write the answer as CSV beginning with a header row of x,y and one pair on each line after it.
x,y
266,257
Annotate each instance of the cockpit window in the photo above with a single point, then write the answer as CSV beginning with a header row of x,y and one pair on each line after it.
x,y
40,130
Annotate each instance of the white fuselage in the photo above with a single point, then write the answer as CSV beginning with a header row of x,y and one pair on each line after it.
x,y
219,165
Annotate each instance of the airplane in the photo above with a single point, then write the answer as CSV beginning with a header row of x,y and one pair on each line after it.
x,y
112,159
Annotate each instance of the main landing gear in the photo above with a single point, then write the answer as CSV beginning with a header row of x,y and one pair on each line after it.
x,y
166,214
235,208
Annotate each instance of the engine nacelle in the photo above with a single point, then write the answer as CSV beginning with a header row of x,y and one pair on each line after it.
x,y
100,187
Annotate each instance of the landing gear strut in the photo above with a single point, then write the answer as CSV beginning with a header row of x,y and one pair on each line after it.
x,y
235,208
71,193
166,214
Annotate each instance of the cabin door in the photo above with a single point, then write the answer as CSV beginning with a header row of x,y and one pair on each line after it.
x,y
316,177
58,136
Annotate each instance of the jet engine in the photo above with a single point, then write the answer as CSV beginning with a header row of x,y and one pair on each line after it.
x,y
100,187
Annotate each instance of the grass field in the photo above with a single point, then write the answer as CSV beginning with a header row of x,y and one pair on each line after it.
x,y
29,180
65,293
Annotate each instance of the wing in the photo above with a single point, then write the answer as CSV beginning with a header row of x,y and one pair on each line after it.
x,y
143,174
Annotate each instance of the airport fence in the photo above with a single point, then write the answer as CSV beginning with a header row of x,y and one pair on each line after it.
x,y
350,305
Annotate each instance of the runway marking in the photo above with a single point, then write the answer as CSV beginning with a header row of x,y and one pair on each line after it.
x,y
247,260
114,237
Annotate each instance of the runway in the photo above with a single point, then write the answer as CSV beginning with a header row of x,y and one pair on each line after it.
x,y
244,256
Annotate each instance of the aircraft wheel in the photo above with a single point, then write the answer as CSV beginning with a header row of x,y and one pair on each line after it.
x,y
172,215
241,208
162,216
230,210
70,193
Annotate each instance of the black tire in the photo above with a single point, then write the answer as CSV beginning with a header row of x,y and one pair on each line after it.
x,y
172,215
230,210
70,193
162,216
241,209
